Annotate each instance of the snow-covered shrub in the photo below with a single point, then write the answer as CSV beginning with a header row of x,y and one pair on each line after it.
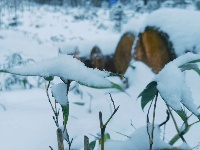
x,y
170,84
118,16
62,68
12,81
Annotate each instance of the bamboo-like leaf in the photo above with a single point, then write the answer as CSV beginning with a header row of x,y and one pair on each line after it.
x,y
79,103
190,66
148,93
92,145
182,114
65,110
195,61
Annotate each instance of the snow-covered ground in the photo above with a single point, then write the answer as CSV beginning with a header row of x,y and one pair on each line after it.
x,y
26,116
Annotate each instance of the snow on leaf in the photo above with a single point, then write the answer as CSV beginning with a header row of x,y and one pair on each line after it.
x,y
172,85
66,67
59,92
134,142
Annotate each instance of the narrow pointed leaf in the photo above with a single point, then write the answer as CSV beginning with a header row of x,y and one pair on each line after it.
x,y
195,61
182,114
148,93
190,66
79,103
92,145
65,110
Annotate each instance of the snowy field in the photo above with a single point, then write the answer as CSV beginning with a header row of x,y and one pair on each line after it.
x,y
25,114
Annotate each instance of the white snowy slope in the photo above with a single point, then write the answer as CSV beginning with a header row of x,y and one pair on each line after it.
x,y
182,27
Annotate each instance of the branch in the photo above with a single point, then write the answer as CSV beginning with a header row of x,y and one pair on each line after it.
x,y
103,126
167,119
154,114
54,111
176,126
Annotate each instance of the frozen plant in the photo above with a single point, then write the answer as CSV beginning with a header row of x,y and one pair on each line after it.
x,y
118,16
61,67
170,84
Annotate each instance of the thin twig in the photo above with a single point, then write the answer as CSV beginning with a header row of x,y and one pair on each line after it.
x,y
154,116
132,124
194,123
54,111
192,113
112,101
103,126
111,116
68,139
123,134
175,124
98,138
148,120
167,119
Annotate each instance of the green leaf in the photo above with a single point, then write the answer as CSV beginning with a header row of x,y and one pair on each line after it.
x,y
65,110
106,137
92,145
79,103
111,74
190,66
195,61
117,86
50,78
148,93
182,114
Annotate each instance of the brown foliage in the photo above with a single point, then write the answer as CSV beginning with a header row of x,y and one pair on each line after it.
x,y
154,49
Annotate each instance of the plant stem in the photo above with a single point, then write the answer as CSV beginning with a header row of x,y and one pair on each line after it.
x,y
103,126
54,111
153,121
176,126
60,139
86,143
149,122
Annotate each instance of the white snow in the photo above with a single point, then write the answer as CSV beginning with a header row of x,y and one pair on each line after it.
x,y
172,86
182,27
27,121
139,140
59,92
66,67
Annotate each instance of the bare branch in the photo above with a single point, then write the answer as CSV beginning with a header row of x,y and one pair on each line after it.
x,y
112,101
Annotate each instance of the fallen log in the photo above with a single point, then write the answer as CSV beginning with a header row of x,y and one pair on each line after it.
x,y
154,49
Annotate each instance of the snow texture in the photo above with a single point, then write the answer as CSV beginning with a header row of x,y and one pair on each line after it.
x,y
182,27
135,142
59,92
66,67
172,86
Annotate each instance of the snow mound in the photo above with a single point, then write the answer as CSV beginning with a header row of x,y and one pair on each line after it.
x,y
182,27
